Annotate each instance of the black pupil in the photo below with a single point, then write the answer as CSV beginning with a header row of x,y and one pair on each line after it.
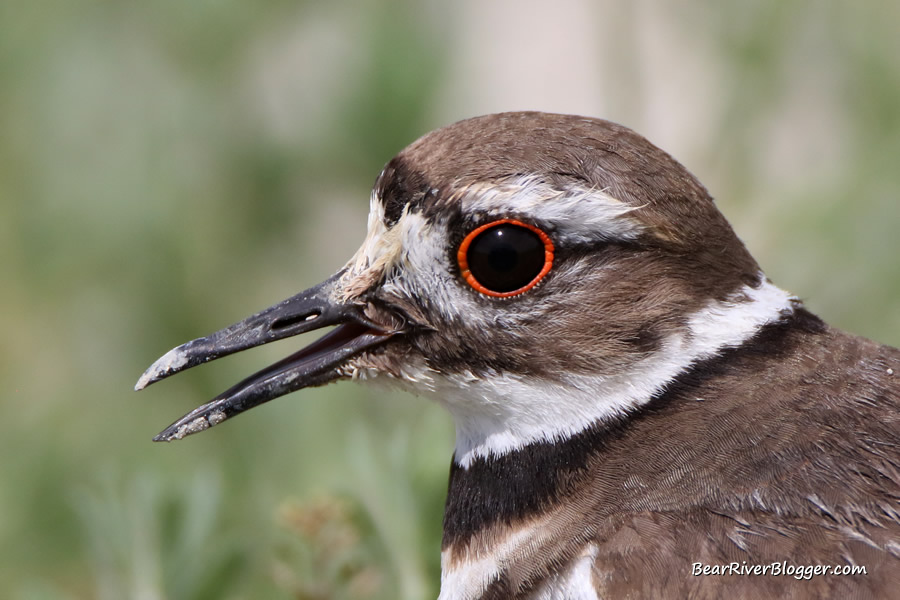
x,y
506,257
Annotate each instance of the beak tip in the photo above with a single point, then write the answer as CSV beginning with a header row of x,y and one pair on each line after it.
x,y
146,379
168,364
187,426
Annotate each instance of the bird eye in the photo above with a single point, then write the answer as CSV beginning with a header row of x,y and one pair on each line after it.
x,y
505,258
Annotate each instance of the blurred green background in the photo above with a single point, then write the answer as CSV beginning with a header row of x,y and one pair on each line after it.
x,y
167,168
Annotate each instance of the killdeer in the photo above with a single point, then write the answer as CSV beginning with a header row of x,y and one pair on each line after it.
x,y
638,408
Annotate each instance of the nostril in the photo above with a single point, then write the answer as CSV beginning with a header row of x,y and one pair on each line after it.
x,y
286,322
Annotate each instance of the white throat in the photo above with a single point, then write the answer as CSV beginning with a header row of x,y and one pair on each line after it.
x,y
500,413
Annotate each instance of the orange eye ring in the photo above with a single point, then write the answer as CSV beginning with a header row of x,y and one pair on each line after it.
x,y
463,259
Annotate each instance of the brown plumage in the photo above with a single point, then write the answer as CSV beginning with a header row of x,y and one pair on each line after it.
x,y
782,450
651,404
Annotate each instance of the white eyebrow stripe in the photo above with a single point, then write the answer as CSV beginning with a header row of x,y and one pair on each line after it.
x,y
579,214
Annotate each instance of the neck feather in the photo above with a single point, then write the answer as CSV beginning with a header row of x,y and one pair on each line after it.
x,y
504,413
521,483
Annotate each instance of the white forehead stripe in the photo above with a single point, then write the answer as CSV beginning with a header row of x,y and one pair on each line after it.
x,y
578,213
378,252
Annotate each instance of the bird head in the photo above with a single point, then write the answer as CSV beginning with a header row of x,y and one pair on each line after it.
x,y
534,273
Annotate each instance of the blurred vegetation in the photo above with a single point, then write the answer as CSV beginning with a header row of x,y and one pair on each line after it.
x,y
167,168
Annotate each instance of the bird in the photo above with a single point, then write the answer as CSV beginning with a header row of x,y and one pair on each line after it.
x,y
640,412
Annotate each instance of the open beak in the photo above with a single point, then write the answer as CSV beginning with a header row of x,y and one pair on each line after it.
x,y
316,364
